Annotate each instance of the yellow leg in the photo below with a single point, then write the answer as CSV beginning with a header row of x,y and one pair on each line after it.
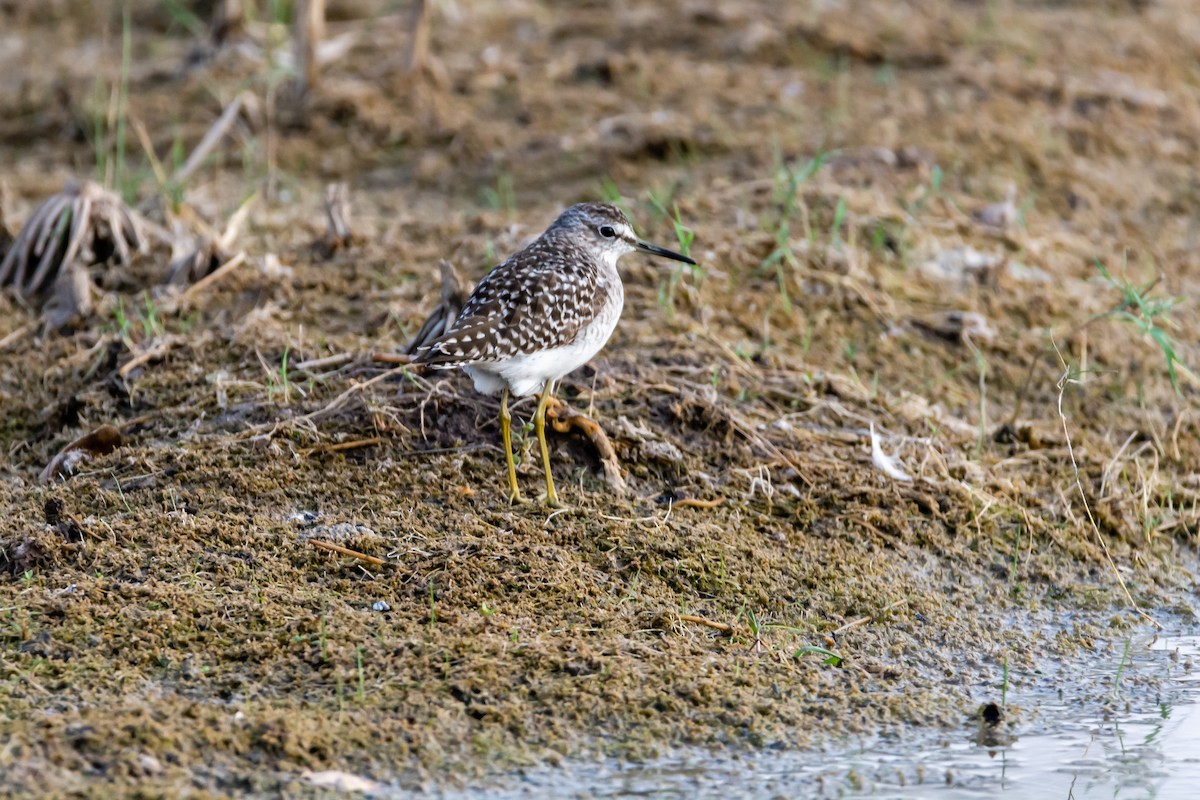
x,y
514,491
539,424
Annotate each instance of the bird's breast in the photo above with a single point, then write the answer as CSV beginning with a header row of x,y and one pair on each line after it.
x,y
610,300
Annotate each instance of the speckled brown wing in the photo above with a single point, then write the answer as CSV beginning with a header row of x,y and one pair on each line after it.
x,y
533,302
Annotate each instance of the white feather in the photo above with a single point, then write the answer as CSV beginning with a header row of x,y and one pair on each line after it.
x,y
885,463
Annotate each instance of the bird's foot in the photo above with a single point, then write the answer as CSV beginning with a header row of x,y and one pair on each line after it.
x,y
551,501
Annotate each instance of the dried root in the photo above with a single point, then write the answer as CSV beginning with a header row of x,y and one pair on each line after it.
x,y
85,224
565,419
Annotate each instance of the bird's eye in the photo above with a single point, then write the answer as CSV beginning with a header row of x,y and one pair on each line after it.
x,y
608,232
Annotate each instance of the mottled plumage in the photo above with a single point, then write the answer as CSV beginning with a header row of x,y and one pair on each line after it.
x,y
544,311
543,298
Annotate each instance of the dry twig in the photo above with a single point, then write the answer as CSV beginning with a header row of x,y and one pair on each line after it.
x,y
695,502
338,234
346,551
18,334
309,30
325,362
330,407
869,619
214,134
209,251
335,447
158,351
418,50
197,288
728,630
1062,387
391,358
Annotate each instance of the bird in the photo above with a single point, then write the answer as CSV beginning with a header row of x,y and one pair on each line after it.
x,y
542,313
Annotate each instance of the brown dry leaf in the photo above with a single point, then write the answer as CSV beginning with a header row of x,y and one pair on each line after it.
x,y
99,442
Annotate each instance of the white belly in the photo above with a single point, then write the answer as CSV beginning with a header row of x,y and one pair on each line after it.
x,y
528,373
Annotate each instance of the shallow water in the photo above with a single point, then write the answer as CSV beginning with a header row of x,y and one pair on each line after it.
x,y
1126,725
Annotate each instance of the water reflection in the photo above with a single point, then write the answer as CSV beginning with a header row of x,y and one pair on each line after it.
x,y
1127,728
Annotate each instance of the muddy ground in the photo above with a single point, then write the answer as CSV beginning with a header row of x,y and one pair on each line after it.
x,y
168,623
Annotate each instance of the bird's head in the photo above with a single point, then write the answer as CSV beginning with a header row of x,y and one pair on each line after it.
x,y
605,228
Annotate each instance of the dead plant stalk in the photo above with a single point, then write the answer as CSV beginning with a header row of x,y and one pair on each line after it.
x,y
1062,387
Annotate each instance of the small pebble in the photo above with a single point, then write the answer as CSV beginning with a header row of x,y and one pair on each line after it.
x,y
381,605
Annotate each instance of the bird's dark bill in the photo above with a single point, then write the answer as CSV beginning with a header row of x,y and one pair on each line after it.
x,y
655,250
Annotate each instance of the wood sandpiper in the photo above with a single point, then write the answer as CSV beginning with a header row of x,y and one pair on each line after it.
x,y
541,314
